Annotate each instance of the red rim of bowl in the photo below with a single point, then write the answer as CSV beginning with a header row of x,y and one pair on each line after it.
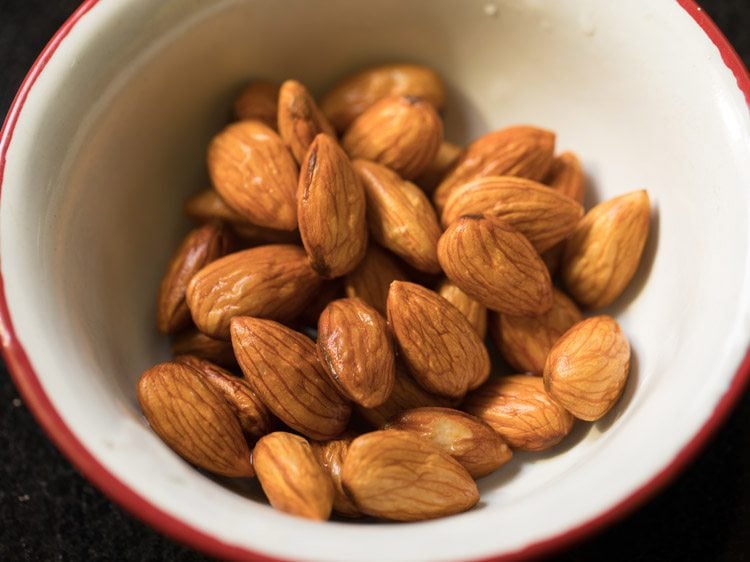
x,y
41,406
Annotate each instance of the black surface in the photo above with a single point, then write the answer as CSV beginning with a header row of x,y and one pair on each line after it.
x,y
48,512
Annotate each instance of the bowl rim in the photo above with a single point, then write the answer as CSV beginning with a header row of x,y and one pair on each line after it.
x,y
39,403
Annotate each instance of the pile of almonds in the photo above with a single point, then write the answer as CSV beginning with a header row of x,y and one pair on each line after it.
x,y
354,221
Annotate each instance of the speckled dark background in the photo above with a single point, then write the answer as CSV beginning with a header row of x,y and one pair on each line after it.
x,y
48,512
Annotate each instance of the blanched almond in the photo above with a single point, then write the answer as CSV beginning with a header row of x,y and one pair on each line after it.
x,y
300,119
437,343
469,440
331,209
273,281
495,264
282,367
396,475
403,133
400,216
520,410
291,477
254,173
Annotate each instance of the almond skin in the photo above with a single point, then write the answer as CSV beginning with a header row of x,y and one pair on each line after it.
x,y
329,292
437,343
541,214
200,247
194,342
272,281
475,313
525,341
355,348
300,119
520,410
403,133
193,419
258,100
331,455
469,440
291,477
372,278
522,151
282,367
395,475
604,251
406,395
254,417
447,155
587,369
207,206
496,265
254,173
331,209
400,216
353,95
566,176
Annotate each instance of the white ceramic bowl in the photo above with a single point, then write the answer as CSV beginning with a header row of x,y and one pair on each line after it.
x,y
107,136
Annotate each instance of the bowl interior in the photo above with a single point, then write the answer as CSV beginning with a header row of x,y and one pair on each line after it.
x,y
112,138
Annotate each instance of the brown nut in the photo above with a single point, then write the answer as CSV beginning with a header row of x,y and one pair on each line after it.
x,y
588,367
447,155
291,477
282,367
258,100
193,419
566,176
475,312
355,348
331,455
300,119
496,265
403,133
520,410
400,216
372,278
469,440
331,209
200,247
396,475
437,343
194,342
353,95
604,251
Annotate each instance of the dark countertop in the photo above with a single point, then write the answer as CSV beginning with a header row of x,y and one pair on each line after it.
x,y
48,512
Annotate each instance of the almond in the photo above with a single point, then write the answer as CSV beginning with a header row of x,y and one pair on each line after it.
x,y
520,410
566,176
553,257
355,348
254,417
437,343
475,313
406,395
258,100
200,247
525,341
447,155
255,174
291,477
272,281
331,209
400,216
587,369
521,151
469,440
282,367
348,99
193,419
207,205
194,342
541,214
396,475
331,455
300,119
329,292
495,264
403,133
604,251
372,278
